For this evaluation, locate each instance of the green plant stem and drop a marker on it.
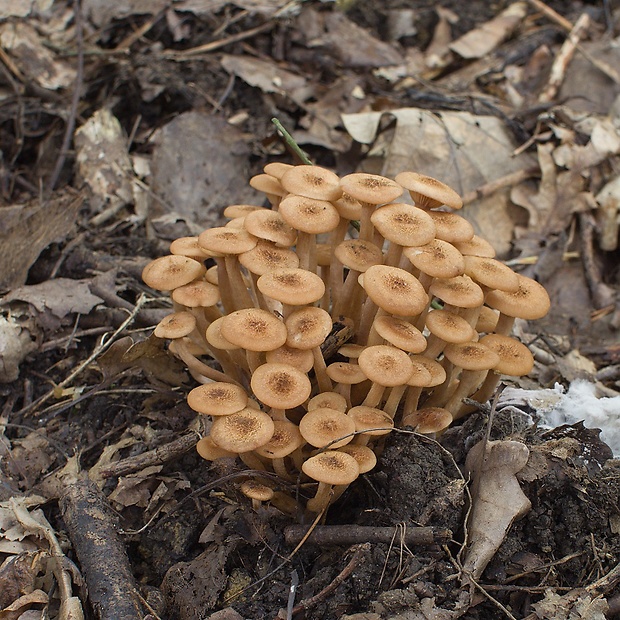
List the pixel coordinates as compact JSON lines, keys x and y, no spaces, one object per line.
{"x":290,"y":142}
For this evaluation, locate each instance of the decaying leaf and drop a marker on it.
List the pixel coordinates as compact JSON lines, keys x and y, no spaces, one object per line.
{"x":570,"y":607}
{"x":18,"y":607}
{"x":15,"y":345}
{"x":497,"y":498}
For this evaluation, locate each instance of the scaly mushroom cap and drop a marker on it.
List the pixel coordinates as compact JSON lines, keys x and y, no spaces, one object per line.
{"x":256,"y":491}
{"x":176,"y":325}
{"x":491,"y":273}
{"x":331,"y":400}
{"x":515,"y":359}
{"x":312,"y":182}
{"x":332,"y":467}
{"x":242,"y":431}
{"x":217,"y":398}
{"x":427,"y":192}
{"x":394,"y":290}
{"x":308,"y":327}
{"x":296,"y":287}
{"x":438,"y":259}
{"x":471,"y":356}
{"x":400,"y":333}
{"x":404,"y":224}
{"x":280,"y":386}
{"x":224,"y":240}
{"x":197,"y":294}
{"x":323,"y":426}
{"x":286,"y":438}
{"x":254,"y":329}
{"x":270,"y":226}
{"x":428,"y":420}
{"x":370,"y":188}
{"x":358,"y":254}
{"x":460,"y":291}
{"x":449,"y":327}
{"x":371,"y":421}
{"x":385,"y":365}
{"x":302,"y":359}
{"x":309,"y":215}
{"x":530,"y":301}
{"x":266,"y":257}
{"x":169,"y":272}
{"x":348,"y":207}
{"x":365,"y":457}
{"x":451,"y":227}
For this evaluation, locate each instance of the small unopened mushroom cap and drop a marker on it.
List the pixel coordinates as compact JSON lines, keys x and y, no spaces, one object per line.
{"x":427,"y":192}
{"x":385,"y":365}
{"x":271,"y":226}
{"x":255,"y":490}
{"x":332,"y":467}
{"x":515,"y":359}
{"x":491,"y":273}
{"x":460,"y":291}
{"x":197,"y":294}
{"x":286,"y":438}
{"x":280,"y":386}
{"x":217,"y":398}
{"x":176,"y":325}
{"x":242,"y":431}
{"x":404,"y":224}
{"x":308,"y":327}
{"x":428,"y":420}
{"x":309,"y":215}
{"x":168,"y":272}
{"x":395,"y":290}
{"x":358,"y":254}
{"x":371,"y":421}
{"x":296,"y":287}
{"x":312,"y":182}
{"x":266,"y":256}
{"x":254,"y":329}
{"x":188,"y":246}
{"x":370,"y":188}
{"x":449,"y":327}
{"x":438,"y":259}
{"x":436,"y":370}
{"x":302,"y":359}
{"x":400,"y":333}
{"x":323,"y":426}
{"x":365,"y":457}
{"x":451,"y":227}
{"x":471,"y":356}
{"x":476,"y":246}
{"x":331,"y":400}
{"x":530,"y":301}
{"x":345,"y":373}
{"x":226,"y":240}
{"x":209,"y":451}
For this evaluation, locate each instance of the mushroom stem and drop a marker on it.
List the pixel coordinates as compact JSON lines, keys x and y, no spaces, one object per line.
{"x":504,"y":324}
{"x":481,"y":395}
{"x":240,"y":294}
{"x":469,"y":381}
{"x":252,"y":461}
{"x":411,"y":400}
{"x":195,"y":365}
{"x":374,"y":396}
{"x":320,"y":371}
{"x":322,"y":498}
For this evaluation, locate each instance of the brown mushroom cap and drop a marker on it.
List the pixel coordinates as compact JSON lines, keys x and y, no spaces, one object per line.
{"x":308,"y":327}
{"x":476,"y":246}
{"x":312,"y":182}
{"x":224,"y":240}
{"x":400,"y":333}
{"x":438,"y":259}
{"x":331,"y":400}
{"x":302,"y":359}
{"x":215,"y":337}
{"x":254,"y":329}
{"x":331,"y":467}
{"x":371,"y":421}
{"x":530,"y":301}
{"x":459,"y":291}
{"x":345,"y":373}
{"x":234,"y":211}
{"x":451,"y":227}
{"x":370,"y":188}
{"x":449,"y":327}
{"x":358,"y":254}
{"x":515,"y":359}
{"x":256,"y":491}
{"x":292,"y":286}
{"x":428,"y":420}
{"x":209,"y":451}
{"x":188,"y":246}
{"x":471,"y":356}
{"x":487,"y":320}
{"x":286,"y":438}
{"x":266,"y":256}
{"x":168,"y":272}
{"x":267,"y":184}
{"x":242,"y":431}
{"x":197,"y":294}
{"x":270,"y":226}
{"x":404,"y":224}
{"x":348,"y":207}
{"x":176,"y":325}
{"x":280,"y":386}
{"x":436,"y":370}
{"x":427,"y":192}
{"x":395,"y":290}
{"x":277,"y":169}
{"x":365,"y":457}
{"x":385,"y":365}
{"x":309,"y":215}
{"x":323,"y":426}
{"x":491,"y":273}
{"x":217,"y":398}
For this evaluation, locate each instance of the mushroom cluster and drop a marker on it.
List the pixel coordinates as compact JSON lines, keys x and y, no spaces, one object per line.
{"x":316,"y":325}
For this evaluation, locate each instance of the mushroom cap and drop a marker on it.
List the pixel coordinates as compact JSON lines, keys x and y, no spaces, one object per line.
{"x":471,"y":356}
{"x":487,"y":320}
{"x":308,"y":327}
{"x":254,"y":329}
{"x":242,"y":431}
{"x":351,"y":350}
{"x":302,"y":359}
{"x":176,"y":325}
{"x":449,"y":327}
{"x":211,"y":275}
{"x":421,"y":375}
{"x":223,"y":240}
{"x":255,"y":490}
{"x":267,"y":256}
{"x":277,"y":169}
{"x":348,"y":207}
{"x":428,"y":420}
{"x":404,"y":224}
{"x":209,"y":451}
{"x":331,"y":467}
{"x":215,"y":337}
{"x":438,"y":259}
{"x":323,"y":426}
{"x":385,"y":365}
{"x":358,"y":254}
{"x":197,"y":294}
{"x":476,"y":246}
{"x":365,"y":457}
{"x":168,"y":272}
{"x":267,"y":184}
{"x":331,"y":400}
{"x":400,"y":333}
{"x":459,"y":291}
{"x":491,"y":273}
{"x":371,"y":421}
{"x":371,"y":189}
{"x":394,"y":290}
{"x":515,"y":359}
{"x":309,"y":215}
{"x":234,"y":211}
{"x":451,"y":227}
{"x":436,"y":370}
{"x":345,"y":373}
{"x":217,"y":398}
{"x":270,"y":226}
{"x":312,"y":182}
{"x":530,"y":301}
{"x":296,"y":287}
{"x":427,"y":192}
{"x":188,"y":246}
{"x":280,"y":386}
{"x":286,"y":438}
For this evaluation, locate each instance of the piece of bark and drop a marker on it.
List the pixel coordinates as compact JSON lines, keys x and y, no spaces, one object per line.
{"x":92,"y":527}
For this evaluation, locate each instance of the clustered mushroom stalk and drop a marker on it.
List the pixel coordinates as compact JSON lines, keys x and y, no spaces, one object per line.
{"x":311,"y":341}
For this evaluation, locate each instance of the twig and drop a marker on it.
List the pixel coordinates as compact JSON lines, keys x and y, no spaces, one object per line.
{"x":290,"y":142}
{"x":551,"y":14}
{"x":509,"y":180}
{"x":355,"y":534}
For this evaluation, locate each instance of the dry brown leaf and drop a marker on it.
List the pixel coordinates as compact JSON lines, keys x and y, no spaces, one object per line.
{"x":15,"y":345}
{"x":22,"y":604}
{"x":497,"y":498}
{"x":570,"y":607}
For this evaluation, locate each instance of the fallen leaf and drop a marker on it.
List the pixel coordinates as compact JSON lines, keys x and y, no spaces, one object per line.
{"x":22,"y":604}
{"x":15,"y":345}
